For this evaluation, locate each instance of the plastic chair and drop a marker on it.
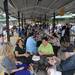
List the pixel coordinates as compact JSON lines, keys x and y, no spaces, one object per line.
{"x":23,"y":65}
{"x":23,"y":72}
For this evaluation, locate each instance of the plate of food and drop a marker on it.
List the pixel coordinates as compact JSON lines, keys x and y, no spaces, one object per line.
{"x":36,"y":58}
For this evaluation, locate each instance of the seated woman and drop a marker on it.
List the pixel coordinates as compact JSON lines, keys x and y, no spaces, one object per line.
{"x":8,"y":61}
{"x":20,"y":53}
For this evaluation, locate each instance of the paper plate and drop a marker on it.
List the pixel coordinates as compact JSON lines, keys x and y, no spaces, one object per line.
{"x":36,"y":58}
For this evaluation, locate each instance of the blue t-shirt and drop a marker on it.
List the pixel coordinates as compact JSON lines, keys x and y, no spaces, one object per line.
{"x":31,"y":45}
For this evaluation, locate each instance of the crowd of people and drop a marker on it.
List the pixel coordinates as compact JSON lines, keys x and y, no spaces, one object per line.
{"x":38,"y":40}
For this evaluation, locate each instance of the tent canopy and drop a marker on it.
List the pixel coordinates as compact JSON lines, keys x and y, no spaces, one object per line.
{"x":39,"y":8}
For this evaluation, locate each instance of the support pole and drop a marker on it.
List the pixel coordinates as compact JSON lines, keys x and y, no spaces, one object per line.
{"x":7,"y":19}
{"x":22,"y":20}
{"x":53,"y":22}
{"x":45,"y":18}
{"x":19,"y":21}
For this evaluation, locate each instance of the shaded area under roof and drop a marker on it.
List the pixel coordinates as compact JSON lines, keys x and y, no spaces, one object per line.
{"x":38,"y":8}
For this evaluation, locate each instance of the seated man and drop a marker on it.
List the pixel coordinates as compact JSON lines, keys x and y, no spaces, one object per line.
{"x":31,"y":44}
{"x":45,"y":48}
{"x":66,"y":66}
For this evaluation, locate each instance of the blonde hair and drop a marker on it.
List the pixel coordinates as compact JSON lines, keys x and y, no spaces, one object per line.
{"x":9,"y":50}
{"x":6,"y":50}
{"x":2,"y":50}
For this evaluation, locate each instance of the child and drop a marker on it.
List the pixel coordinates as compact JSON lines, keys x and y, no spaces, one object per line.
{"x":52,"y":68}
